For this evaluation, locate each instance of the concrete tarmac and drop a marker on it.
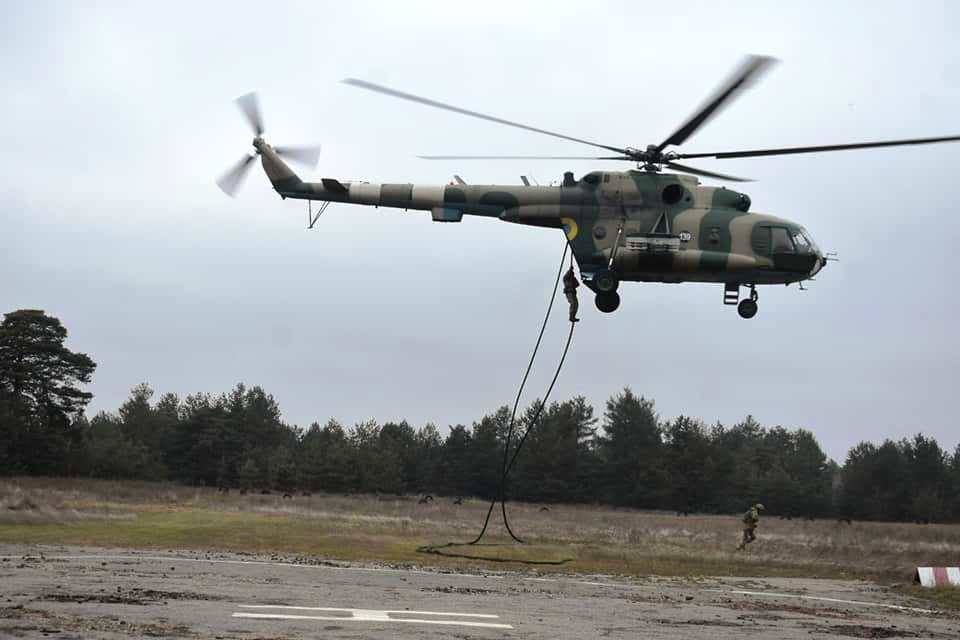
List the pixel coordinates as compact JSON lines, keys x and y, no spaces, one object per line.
{"x":69,"y":592}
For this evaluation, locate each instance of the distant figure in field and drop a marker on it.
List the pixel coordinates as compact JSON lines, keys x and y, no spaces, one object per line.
{"x":459,"y":500}
{"x":427,"y":499}
{"x":570,"y":284}
{"x":750,"y":520}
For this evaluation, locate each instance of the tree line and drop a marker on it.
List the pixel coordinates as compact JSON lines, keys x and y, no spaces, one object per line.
{"x":628,"y":456}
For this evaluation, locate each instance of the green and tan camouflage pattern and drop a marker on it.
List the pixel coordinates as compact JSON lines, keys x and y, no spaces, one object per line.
{"x":656,"y":227}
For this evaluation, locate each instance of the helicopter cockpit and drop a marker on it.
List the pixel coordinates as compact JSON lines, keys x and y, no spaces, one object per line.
{"x":792,"y":240}
{"x":791,"y":247}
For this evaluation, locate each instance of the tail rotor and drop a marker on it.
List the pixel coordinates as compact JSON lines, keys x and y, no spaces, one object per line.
{"x":249,"y":105}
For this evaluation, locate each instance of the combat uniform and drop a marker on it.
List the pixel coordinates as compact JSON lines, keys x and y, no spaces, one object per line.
{"x":750,"y":520}
{"x":570,"y":284}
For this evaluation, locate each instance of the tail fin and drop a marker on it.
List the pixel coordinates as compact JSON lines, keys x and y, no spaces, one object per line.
{"x":282,"y":177}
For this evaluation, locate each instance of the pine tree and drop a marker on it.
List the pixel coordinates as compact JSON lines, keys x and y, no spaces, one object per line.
{"x":40,"y":394}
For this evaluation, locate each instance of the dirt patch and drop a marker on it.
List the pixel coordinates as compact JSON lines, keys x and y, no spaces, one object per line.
{"x":133,"y":596}
{"x":699,"y":622}
{"x":866,"y":631}
{"x":45,"y":622}
{"x":825,"y":612}
{"x":459,"y":590}
{"x":760,"y":617}
{"x":651,"y":598}
{"x":21,"y":503}
{"x":101,"y":598}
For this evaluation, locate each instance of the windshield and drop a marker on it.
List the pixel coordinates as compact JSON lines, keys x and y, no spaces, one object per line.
{"x":800,"y":241}
{"x":809,"y":240}
{"x":792,"y":240}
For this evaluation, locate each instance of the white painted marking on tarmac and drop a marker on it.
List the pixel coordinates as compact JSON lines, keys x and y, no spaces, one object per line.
{"x":800,"y":596}
{"x":374,"y":615}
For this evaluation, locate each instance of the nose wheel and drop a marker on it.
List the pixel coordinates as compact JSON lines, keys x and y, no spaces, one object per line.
{"x":607,"y":301}
{"x":748,"y":308}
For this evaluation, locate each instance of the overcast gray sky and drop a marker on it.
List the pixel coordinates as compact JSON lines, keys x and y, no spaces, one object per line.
{"x":117,"y":119}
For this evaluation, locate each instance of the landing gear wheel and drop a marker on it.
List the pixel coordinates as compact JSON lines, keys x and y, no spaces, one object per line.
{"x":606,"y":282}
{"x":607,"y":301}
{"x":747,"y":308}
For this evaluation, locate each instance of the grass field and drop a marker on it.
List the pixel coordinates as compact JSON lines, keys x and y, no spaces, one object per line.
{"x":583,"y":539}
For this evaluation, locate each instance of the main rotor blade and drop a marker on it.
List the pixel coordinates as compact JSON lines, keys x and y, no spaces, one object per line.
{"x":230,"y":181}
{"x":748,"y":72}
{"x":702,"y":172}
{"x":830,"y":147}
{"x":524,"y":158}
{"x":249,"y":104}
{"x":304,"y":154}
{"x":363,"y":84}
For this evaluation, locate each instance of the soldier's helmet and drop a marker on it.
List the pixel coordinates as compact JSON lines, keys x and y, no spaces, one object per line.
{"x":758,"y":507}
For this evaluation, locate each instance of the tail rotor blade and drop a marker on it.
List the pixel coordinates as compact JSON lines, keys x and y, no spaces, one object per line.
{"x":306,"y":155}
{"x":230,"y":181}
{"x":249,"y":104}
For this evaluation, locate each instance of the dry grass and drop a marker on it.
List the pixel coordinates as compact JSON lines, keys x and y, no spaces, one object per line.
{"x":389,"y":529}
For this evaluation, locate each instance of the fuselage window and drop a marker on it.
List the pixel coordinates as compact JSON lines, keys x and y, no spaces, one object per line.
{"x":606,"y":177}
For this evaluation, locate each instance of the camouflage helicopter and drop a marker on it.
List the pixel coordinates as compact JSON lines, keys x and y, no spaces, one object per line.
{"x":640,"y":225}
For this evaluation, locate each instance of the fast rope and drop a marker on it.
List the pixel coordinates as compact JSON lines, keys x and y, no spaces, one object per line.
{"x":508,"y":460}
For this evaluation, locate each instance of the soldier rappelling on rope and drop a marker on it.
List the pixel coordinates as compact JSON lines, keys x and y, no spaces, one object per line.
{"x":570,"y":284}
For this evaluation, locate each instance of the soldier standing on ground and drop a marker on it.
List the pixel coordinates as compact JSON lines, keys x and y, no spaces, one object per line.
{"x":570,"y":284}
{"x":750,"y":520}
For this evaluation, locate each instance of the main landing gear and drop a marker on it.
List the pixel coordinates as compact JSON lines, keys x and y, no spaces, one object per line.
{"x":607,"y":302}
{"x":605,"y":284}
{"x":747,"y":308}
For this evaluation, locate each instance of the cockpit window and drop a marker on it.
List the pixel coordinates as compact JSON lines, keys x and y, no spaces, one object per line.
{"x":800,"y":241}
{"x":810,"y":243}
{"x":780,"y":239}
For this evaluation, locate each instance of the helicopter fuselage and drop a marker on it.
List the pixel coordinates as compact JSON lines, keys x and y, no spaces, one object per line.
{"x":639,"y":225}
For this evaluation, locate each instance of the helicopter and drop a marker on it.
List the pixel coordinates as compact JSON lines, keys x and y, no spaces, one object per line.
{"x":639,"y":225}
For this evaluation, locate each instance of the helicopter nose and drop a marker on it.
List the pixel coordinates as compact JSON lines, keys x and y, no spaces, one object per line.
{"x":819,"y":264}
